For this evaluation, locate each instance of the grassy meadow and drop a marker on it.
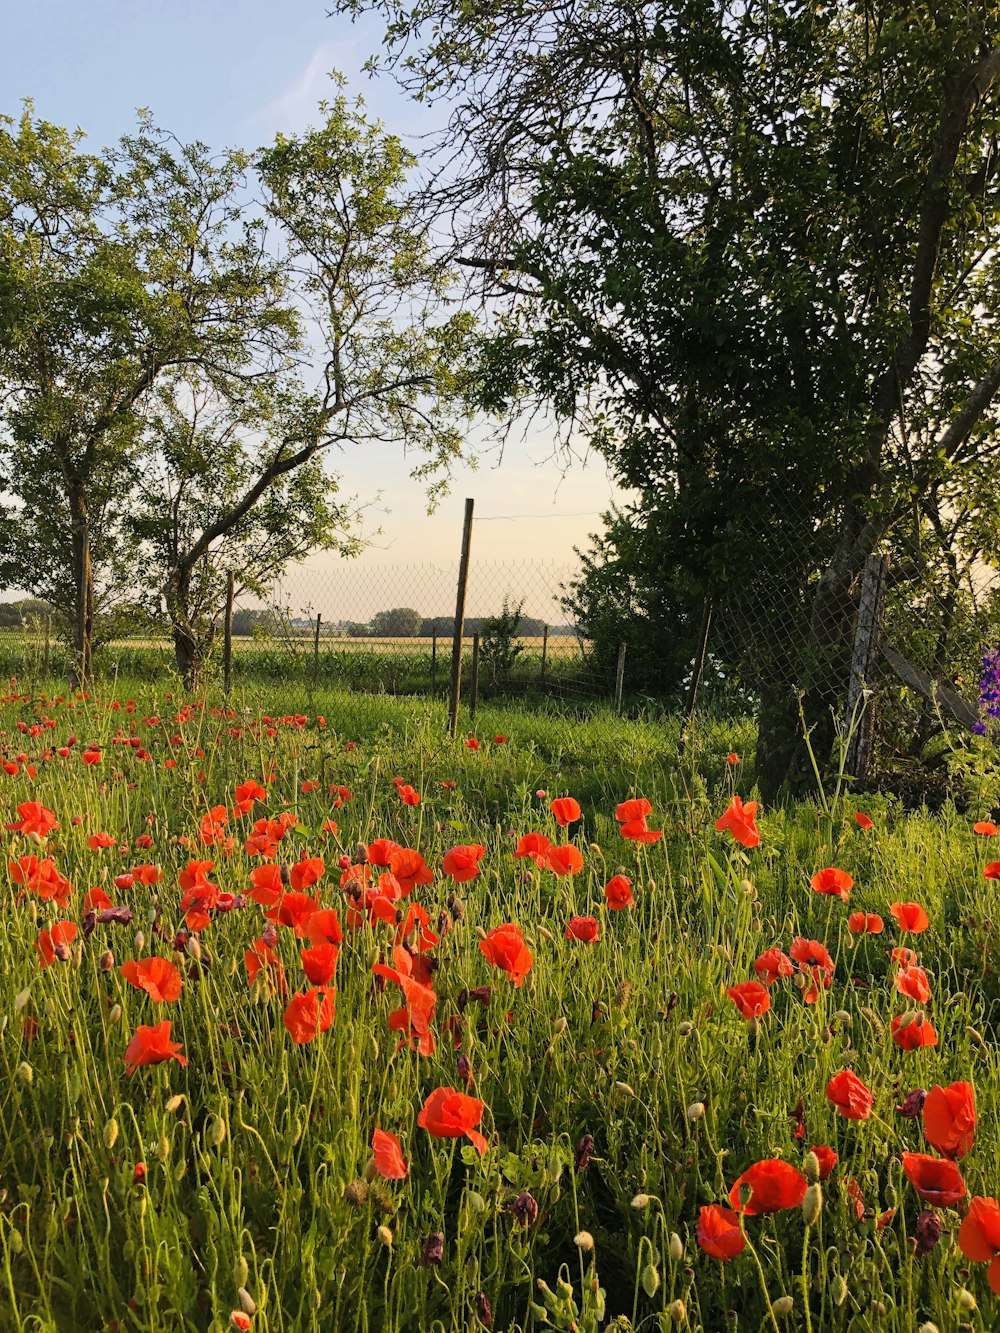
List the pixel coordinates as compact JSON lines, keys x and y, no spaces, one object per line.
{"x":311,"y":897}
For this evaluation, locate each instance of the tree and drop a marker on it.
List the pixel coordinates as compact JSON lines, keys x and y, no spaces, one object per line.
{"x":129,"y":268}
{"x":744,"y":253}
{"x":203,"y":453}
{"x":400,"y":623}
{"x":116,"y":267}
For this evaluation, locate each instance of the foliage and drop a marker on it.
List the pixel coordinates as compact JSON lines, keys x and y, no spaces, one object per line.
{"x":498,"y":647}
{"x":402,"y":622}
{"x":247,"y":1173}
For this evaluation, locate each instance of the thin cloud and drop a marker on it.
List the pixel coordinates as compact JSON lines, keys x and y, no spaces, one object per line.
{"x":295,"y":106}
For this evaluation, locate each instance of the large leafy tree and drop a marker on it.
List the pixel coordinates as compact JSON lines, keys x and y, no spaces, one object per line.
{"x":123,"y":270}
{"x":742,"y":249}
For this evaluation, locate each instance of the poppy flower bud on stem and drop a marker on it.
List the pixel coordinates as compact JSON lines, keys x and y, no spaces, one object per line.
{"x":21,"y":999}
{"x":685,"y":1029}
{"x":695,"y":1111}
{"x":173,"y":1104}
{"x":782,"y":1306}
{"x":25,"y":1073}
{"x":641,"y":1201}
{"x":193,"y":947}
{"x":650,"y":1279}
{"x":560,"y":1025}
{"x":384,"y":1235}
{"x":241,"y":1271}
{"x":545,"y":934}
{"x":677,"y":1311}
{"x":139,"y":941}
{"x":111,"y":1134}
{"x":966,"y":1300}
{"x":247,"y":1303}
{"x":812,"y":1204}
{"x":839,"y":1290}
{"x":106,"y":962}
{"x":583,"y":1240}
{"x":811,"y":1167}
{"x":115,"y":1014}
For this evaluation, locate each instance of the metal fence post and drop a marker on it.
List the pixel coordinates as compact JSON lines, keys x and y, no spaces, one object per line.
{"x":319,"y":622}
{"x":545,"y":652}
{"x":434,"y":661}
{"x":620,"y":678}
{"x":227,"y":636}
{"x":459,"y":627}
{"x":474,"y":689}
{"x":866,"y":647}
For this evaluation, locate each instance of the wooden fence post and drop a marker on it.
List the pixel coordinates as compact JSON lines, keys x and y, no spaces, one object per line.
{"x":319,"y":622}
{"x":474,"y":690}
{"x":620,"y":678}
{"x":866,"y":649}
{"x":227,"y":636}
{"x":459,"y":628}
{"x":545,"y":651}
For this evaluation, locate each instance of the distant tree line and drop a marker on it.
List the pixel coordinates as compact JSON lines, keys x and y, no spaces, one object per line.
{"x":401,"y":622}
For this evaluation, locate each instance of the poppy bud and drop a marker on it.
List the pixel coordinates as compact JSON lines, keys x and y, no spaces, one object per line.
{"x":115,"y":1014}
{"x":839,"y":1289}
{"x":675,"y":1248}
{"x":241,"y":1271}
{"x":25,"y":1073}
{"x":640,"y":1201}
{"x":545,"y":934}
{"x":139,"y":941}
{"x":356,"y":1193}
{"x":239,"y":1319}
{"x":928,"y":1327}
{"x":174,"y":1103}
{"x":16,"y":1240}
{"x":484,"y":1310}
{"x":812,"y":1203}
{"x":811,"y":1167}
{"x":782,"y":1306}
{"x":685,"y":1029}
{"x":216,"y":1131}
{"x":595,"y":847}
{"x":583,"y":1240}
{"x":106,"y":961}
{"x":193,"y":947}
{"x":966,"y":1300}
{"x":111,"y":1134}
{"x":978,"y":1038}
{"x":21,"y":999}
{"x":696,"y":1110}
{"x":560,"y":1025}
{"x":625,"y":1088}
{"x":476,"y":1201}
{"x":361,"y":854}
{"x":677,"y":1311}
{"x":650,"y":1279}
{"x":163,"y":1148}
{"x":384,"y":1235}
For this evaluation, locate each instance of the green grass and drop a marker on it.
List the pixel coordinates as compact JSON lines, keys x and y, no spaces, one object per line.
{"x":256,"y":1153}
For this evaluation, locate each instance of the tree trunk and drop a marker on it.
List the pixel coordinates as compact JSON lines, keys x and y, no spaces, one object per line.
{"x":189,"y":648}
{"x":188,"y":657}
{"x":83,"y":587}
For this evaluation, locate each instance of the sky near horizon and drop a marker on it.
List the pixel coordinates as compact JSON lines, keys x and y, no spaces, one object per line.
{"x":234,"y":73}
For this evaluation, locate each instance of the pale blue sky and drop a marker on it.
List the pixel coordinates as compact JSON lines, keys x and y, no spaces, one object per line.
{"x":234,"y":72}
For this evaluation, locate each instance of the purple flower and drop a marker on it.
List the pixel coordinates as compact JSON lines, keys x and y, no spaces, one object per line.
{"x":525,"y":1210}
{"x":433,"y":1251}
{"x":584,"y":1150}
{"x":913,"y":1104}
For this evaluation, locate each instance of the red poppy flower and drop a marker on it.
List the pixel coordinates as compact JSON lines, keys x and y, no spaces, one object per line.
{"x":504,"y":946}
{"x":462,"y":863}
{"x":774,"y":1185}
{"x":719,"y":1233}
{"x":912,"y":982}
{"x":408,"y":795}
{"x":850,"y":1096}
{"x":910,"y":917}
{"x":309,"y":1013}
{"x":98,"y":841}
{"x":156,"y":976}
{"x":534,"y":847}
{"x":584,"y":928}
{"x":750,"y":998}
{"x":903,"y":956}
{"x":564,"y":860}
{"x":320,"y":963}
{"x":936,"y":1179}
{"x":389,"y":1160}
{"x":827,"y":1159}
{"x":739,"y":821}
{"x":267,"y":885}
{"x":950,"y":1118}
{"x":247,"y":793}
{"x":979,"y":1237}
{"x":152,"y":1046}
{"x":34,"y":818}
{"x":449,"y":1114}
{"x":304,"y":874}
{"x":814,"y":960}
{"x":323,"y":927}
{"x":618,"y":893}
{"x":912,"y":1031}
{"x":865,"y":923}
{"x":294,"y":910}
{"x":260,"y":955}
{"x":992,"y":871}
{"x":733,"y":758}
{"x":773,"y":964}
{"x":833,"y":882}
{"x":565,"y":810}
{"x":54,"y":943}
{"x":862,"y":820}
{"x":985,"y":828}
{"x":147,"y":874}
{"x":380,"y":851}
{"x":636,"y":831}
{"x":630,"y":811}
{"x":410,"y":868}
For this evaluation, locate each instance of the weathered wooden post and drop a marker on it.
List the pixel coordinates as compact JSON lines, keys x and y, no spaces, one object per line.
{"x":620,"y":678}
{"x":459,"y":628}
{"x":227,"y":635}
{"x":474,"y":690}
{"x":861,"y":714}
